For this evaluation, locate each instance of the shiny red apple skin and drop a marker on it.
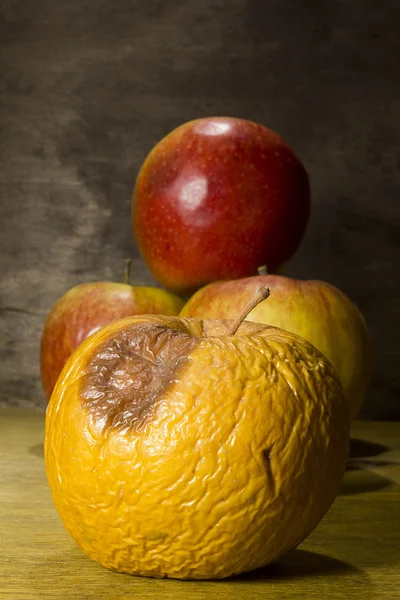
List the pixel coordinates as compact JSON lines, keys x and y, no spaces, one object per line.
{"x":86,"y":308}
{"x":216,"y":199}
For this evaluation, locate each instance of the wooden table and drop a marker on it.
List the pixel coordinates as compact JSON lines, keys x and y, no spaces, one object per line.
{"x":353,"y":553}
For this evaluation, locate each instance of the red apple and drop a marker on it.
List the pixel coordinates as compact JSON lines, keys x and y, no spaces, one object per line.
{"x":315,"y":310}
{"x":216,"y":199}
{"x":86,"y":308}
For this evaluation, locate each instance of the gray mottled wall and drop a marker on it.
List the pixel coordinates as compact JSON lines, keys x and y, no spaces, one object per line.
{"x":88,"y":87}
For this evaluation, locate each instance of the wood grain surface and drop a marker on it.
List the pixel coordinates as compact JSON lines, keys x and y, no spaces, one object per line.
{"x":353,"y":553}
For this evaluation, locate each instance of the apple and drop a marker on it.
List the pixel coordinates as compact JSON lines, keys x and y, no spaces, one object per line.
{"x":217,"y":198}
{"x":315,"y":310}
{"x":86,"y":308}
{"x":194,"y":449}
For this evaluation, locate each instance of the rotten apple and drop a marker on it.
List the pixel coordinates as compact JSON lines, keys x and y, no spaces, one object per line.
{"x":194,"y":449}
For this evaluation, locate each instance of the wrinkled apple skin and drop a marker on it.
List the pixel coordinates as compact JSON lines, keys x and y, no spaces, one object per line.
{"x":315,"y":310}
{"x":86,"y":308}
{"x":216,"y":199}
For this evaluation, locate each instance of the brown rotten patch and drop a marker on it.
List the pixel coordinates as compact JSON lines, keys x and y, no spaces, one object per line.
{"x":126,"y":377}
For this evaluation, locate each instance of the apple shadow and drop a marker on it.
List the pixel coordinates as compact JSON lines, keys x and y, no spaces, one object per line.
{"x":299,"y":564}
{"x":37,"y":450}
{"x":361,"y":475}
{"x":359,"y":479}
{"x":362,"y":448}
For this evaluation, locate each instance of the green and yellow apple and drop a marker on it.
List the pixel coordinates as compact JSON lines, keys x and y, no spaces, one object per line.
{"x":86,"y":308}
{"x":315,"y":310}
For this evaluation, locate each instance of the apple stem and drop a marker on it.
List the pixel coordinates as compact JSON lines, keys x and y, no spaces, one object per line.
{"x":261,"y":294}
{"x":128,"y":265}
{"x":262,"y":270}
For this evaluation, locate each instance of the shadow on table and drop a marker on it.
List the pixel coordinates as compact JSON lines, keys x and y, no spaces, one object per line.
{"x":361,"y":471}
{"x":359,"y":480}
{"x":302,"y":572}
{"x":363,"y":448}
{"x":298,"y":564}
{"x":37,"y":450}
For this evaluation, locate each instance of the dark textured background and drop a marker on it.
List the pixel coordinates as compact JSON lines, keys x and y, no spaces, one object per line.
{"x":87,"y":88}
